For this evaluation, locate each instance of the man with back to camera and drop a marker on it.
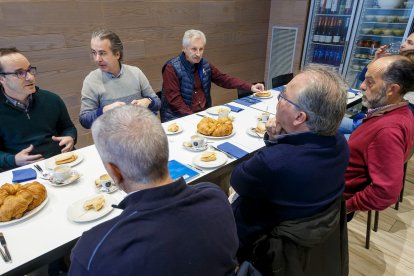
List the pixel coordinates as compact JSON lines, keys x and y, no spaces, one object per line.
{"x":35,"y":123}
{"x":187,"y":80}
{"x":167,"y":227}
{"x":383,"y":142}
{"x":113,"y":83}
{"x":297,"y":176}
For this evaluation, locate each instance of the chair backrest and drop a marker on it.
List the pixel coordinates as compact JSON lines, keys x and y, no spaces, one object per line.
{"x":158,"y":94}
{"x":244,"y":93}
{"x":281,"y":80}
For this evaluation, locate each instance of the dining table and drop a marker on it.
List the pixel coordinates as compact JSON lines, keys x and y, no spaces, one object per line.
{"x":50,"y":231}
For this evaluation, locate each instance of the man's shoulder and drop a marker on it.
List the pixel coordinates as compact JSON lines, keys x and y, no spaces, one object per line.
{"x":208,"y":188}
{"x":46,"y":94}
{"x":93,"y":75}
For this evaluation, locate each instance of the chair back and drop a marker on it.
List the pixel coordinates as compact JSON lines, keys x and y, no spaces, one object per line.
{"x":281,"y":80}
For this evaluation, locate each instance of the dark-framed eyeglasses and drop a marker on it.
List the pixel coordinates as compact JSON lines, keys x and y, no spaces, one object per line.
{"x":282,"y":96}
{"x":21,"y":74}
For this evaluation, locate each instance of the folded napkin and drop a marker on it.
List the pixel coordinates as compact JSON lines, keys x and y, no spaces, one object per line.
{"x":234,"y":108}
{"x":23,"y":175}
{"x":247,"y":101}
{"x":232,"y":150}
{"x":355,"y":91}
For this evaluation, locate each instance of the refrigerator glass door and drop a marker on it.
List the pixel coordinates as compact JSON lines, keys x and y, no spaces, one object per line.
{"x":328,"y":31}
{"x":381,"y":22}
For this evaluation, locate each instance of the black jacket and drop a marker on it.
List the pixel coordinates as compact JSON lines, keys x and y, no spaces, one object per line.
{"x":316,"y":245}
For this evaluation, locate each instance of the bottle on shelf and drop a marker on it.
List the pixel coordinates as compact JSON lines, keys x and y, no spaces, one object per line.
{"x":342,"y":7}
{"x":338,"y":32}
{"x":328,"y":6}
{"x":322,"y":6}
{"x":330,"y":27}
{"x":317,"y":30}
{"x":335,"y":6}
{"x":348,"y":7}
{"x":323,"y":29}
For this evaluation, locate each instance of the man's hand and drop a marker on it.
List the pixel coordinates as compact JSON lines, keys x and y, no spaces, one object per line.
{"x":112,"y":105}
{"x":257,"y":87}
{"x":144,"y":102}
{"x":274,"y":128}
{"x":23,"y":157}
{"x":66,"y":141}
{"x":381,"y":52}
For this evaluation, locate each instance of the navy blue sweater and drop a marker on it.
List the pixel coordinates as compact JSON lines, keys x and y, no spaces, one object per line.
{"x":169,"y":230}
{"x":295,"y":177}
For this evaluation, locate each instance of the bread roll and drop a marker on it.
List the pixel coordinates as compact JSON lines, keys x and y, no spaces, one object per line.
{"x":260,"y":128}
{"x":263,"y":93}
{"x":208,"y":156}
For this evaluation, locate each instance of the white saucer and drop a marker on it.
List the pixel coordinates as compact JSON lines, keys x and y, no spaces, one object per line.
{"x":72,"y":179}
{"x":50,"y":163}
{"x":203,"y":148}
{"x":251,"y":131}
{"x":221,"y":160}
{"x":215,"y":109}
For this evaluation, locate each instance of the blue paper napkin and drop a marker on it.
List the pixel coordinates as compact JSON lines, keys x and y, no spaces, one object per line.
{"x":23,"y":175}
{"x":234,"y":108}
{"x":232,"y":150}
{"x":355,"y":91}
{"x":247,"y":101}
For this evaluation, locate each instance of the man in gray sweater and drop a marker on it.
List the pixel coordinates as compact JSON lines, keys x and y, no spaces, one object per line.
{"x":113,"y":83}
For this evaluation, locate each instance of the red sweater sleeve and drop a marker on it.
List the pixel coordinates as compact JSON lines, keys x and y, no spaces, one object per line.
{"x":226,"y":81}
{"x":385,"y":157}
{"x":172,"y":91}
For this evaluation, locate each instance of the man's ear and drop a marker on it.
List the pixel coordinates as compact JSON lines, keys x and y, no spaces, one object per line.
{"x":114,"y":172}
{"x":394,"y":90}
{"x":300,"y":118}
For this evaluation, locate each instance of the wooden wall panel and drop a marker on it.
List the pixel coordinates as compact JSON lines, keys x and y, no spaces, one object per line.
{"x":55,"y":36}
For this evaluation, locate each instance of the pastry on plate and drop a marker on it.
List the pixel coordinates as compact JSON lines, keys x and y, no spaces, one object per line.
{"x":217,"y":128}
{"x":260,"y":128}
{"x":66,"y":157}
{"x":263,"y":94}
{"x":96,"y":203}
{"x":173,"y":127}
{"x":208,"y":156}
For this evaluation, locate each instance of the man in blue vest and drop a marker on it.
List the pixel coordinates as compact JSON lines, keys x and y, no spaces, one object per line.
{"x":187,"y":80}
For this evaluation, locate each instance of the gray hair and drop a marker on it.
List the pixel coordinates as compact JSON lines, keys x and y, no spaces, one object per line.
{"x":323,"y":100}
{"x":132,"y":138}
{"x":401,"y":72}
{"x":190,"y":35}
{"x":116,"y":43}
{"x":7,"y":51}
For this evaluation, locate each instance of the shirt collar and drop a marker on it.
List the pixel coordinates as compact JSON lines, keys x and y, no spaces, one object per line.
{"x":17,"y":103}
{"x":112,"y":76}
{"x":379,"y":111}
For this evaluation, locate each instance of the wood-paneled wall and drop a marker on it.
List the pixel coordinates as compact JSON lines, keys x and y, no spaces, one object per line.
{"x":289,"y":13}
{"x":55,"y":36}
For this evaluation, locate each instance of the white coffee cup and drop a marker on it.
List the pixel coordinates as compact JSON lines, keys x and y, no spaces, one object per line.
{"x":62,"y":173}
{"x":197,"y":141}
{"x":223,"y":112}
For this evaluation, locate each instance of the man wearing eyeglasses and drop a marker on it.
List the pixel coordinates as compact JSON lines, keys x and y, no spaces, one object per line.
{"x":35,"y":123}
{"x":296,"y":181}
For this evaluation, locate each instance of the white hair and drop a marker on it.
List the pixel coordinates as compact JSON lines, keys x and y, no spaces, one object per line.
{"x":191,"y":35}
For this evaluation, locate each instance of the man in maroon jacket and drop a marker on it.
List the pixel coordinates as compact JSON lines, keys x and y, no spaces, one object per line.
{"x":381,"y":145}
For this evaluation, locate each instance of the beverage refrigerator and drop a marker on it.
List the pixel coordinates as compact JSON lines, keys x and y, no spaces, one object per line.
{"x":345,"y":34}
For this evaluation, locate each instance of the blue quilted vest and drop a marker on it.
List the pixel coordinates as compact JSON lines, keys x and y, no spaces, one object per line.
{"x":185,"y":73}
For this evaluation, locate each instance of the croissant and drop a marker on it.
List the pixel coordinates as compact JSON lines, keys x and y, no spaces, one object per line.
{"x":38,"y":191}
{"x":17,"y":199}
{"x":218,"y":128}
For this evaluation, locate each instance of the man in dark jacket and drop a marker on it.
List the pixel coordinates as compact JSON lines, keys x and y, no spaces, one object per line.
{"x":300,"y":172}
{"x":35,"y":123}
{"x":187,"y":80}
{"x":167,"y":227}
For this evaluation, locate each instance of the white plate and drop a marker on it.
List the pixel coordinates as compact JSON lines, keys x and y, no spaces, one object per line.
{"x":196,"y":149}
{"x":76,"y":213}
{"x":73,"y":178}
{"x":263,"y":97}
{"x":251,"y":131}
{"x":112,"y":189}
{"x":221,"y":160}
{"x":219,"y":137}
{"x":180,"y":129}
{"x":350,"y":95}
{"x":28,"y":214}
{"x":50,"y":162}
{"x":215,"y":109}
